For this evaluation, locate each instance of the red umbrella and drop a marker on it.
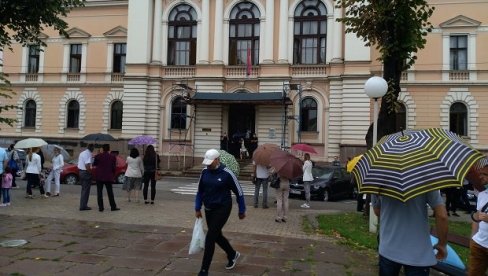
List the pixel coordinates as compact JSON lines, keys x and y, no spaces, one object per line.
{"x":285,"y":164}
{"x":263,"y":152}
{"x":304,"y":148}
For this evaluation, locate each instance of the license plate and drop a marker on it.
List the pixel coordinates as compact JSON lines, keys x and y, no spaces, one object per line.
{"x":295,"y":192}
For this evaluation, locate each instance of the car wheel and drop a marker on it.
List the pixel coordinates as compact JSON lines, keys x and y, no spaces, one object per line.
{"x":326,"y":195}
{"x":120,"y":178}
{"x":71,"y":179}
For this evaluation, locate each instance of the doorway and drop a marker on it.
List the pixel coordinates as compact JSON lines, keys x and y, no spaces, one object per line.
{"x":242,"y":121}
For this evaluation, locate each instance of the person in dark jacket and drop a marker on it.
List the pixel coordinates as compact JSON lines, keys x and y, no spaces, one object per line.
{"x":151,"y":164}
{"x":214,"y":192}
{"x":105,"y":163}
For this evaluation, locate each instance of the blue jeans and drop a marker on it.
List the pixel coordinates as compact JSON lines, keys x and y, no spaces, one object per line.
{"x":261,"y":182}
{"x":389,"y":268}
{"x":6,"y":195}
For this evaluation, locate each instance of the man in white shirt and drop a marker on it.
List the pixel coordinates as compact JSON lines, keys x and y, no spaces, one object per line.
{"x":85,"y":167}
{"x":261,"y":174}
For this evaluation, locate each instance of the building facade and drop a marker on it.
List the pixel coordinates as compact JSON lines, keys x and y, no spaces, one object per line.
{"x":188,"y":72}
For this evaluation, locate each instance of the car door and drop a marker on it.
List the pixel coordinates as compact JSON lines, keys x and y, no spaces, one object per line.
{"x":345,"y":182}
{"x":334,"y":184}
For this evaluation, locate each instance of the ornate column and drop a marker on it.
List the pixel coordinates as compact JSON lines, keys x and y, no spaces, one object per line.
{"x":283,"y":44}
{"x":269,"y":30}
{"x":158,"y":15}
{"x":218,"y":35}
{"x":204,"y":34}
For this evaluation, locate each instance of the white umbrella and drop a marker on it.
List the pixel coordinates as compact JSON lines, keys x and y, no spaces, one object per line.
{"x":48,"y":151}
{"x":30,"y":143}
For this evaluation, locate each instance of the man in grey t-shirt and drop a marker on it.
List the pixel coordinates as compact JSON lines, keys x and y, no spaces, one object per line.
{"x":405,"y":236}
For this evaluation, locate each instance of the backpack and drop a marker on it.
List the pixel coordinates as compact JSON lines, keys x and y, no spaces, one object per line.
{"x":12,"y":164}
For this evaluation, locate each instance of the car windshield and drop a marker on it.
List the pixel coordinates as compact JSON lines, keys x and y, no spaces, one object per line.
{"x":322,"y":173}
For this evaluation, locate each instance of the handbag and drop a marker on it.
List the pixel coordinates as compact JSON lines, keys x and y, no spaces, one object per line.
{"x":198,"y":238}
{"x":274,"y":181}
{"x":12,"y":164}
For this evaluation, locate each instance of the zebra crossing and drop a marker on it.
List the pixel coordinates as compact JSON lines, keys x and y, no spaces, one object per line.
{"x":191,"y":189}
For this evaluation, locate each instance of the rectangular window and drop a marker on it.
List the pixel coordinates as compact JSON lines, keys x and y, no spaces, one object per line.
{"x":459,"y":52}
{"x":33,"y":62}
{"x":75,"y":58}
{"x":120,"y":51}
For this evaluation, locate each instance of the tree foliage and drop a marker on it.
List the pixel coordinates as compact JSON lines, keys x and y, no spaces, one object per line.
{"x":397,"y":28}
{"x":22,"y":21}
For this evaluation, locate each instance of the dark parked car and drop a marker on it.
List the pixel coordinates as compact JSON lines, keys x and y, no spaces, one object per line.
{"x":330,"y":182}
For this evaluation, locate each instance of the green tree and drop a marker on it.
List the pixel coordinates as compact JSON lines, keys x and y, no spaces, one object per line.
{"x":397,"y":28}
{"x":22,"y":21}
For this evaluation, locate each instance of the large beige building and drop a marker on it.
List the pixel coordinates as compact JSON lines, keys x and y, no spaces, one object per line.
{"x":188,"y":71}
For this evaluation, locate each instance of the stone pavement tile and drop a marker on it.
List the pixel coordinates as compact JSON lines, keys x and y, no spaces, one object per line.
{"x":122,"y":271}
{"x":86,"y":258}
{"x":137,"y":263}
{"x":85,"y":270}
{"x":34,"y":267}
{"x":43,"y":254}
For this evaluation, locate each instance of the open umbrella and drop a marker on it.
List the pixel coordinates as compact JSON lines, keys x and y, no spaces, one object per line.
{"x":230,"y":162}
{"x":409,"y":163}
{"x":98,"y":137}
{"x":48,"y":151}
{"x":263,"y":153}
{"x":352,"y":163}
{"x":303,"y":148}
{"x":285,"y":164}
{"x":143,"y":140}
{"x":30,"y":143}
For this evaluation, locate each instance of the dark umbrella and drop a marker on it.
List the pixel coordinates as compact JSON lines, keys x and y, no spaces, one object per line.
{"x":285,"y":164}
{"x":98,"y":137}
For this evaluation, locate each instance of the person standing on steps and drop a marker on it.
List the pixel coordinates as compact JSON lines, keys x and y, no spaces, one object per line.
{"x":214,"y":193}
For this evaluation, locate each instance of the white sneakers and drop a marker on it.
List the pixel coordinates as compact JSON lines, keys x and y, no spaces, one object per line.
{"x":305,"y":205}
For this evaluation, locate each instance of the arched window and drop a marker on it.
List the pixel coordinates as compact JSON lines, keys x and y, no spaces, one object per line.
{"x":116,"y":111}
{"x":401,"y":117}
{"x":458,"y":119}
{"x":73,"y":114}
{"x":30,"y":110}
{"x":310,"y":33}
{"x":182,"y":33}
{"x":308,"y":114}
{"x":244,"y":34}
{"x":178,"y":113}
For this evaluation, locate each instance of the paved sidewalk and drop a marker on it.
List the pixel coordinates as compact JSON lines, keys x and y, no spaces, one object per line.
{"x":153,"y":240}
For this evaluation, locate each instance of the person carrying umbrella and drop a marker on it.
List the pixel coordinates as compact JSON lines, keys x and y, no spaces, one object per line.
{"x":307,"y":179}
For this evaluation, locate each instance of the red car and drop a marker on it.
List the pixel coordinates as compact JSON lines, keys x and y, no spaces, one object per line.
{"x":70,"y":173}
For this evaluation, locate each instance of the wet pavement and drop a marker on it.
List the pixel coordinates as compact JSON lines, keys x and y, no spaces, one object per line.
{"x":150,"y":239}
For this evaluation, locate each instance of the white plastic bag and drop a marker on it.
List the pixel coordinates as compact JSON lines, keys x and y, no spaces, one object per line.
{"x":198,"y":239}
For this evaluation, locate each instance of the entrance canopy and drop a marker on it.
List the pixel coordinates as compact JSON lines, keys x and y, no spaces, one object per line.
{"x":265,"y":98}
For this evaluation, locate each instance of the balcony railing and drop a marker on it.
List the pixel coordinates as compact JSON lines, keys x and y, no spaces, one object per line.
{"x":240,"y":71}
{"x":117,"y":77}
{"x":31,"y":77}
{"x":458,"y":75}
{"x":73,"y":77}
{"x":309,"y":70}
{"x":179,"y":71}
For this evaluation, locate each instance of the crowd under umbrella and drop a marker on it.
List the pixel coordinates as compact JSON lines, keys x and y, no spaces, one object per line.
{"x":230,"y":162}
{"x":412,"y":162}
{"x":30,"y":143}
{"x":285,"y":164}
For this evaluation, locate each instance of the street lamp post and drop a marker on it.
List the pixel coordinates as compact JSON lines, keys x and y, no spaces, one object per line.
{"x":375,"y":87}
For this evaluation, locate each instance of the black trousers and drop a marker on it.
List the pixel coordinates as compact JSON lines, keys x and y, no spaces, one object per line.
{"x":85,"y":182}
{"x":216,"y":219}
{"x":149,"y":176}
{"x":110,"y":193}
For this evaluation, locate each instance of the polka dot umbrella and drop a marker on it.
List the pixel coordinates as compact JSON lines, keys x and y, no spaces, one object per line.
{"x":412,"y":162}
{"x":230,"y":162}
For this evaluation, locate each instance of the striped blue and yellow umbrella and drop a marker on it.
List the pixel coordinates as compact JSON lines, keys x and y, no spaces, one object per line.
{"x":409,"y":163}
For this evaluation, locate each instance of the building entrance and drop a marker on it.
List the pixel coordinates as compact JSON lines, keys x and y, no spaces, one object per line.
{"x":242,"y":120}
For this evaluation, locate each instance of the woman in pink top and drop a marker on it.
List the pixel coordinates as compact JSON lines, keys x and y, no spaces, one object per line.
{"x":6,"y":186}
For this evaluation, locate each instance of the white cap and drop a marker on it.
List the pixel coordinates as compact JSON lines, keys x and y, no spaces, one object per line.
{"x":210,"y":156}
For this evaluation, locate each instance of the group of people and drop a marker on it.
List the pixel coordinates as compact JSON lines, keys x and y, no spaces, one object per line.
{"x":238,"y":145}
{"x":139,"y":170}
